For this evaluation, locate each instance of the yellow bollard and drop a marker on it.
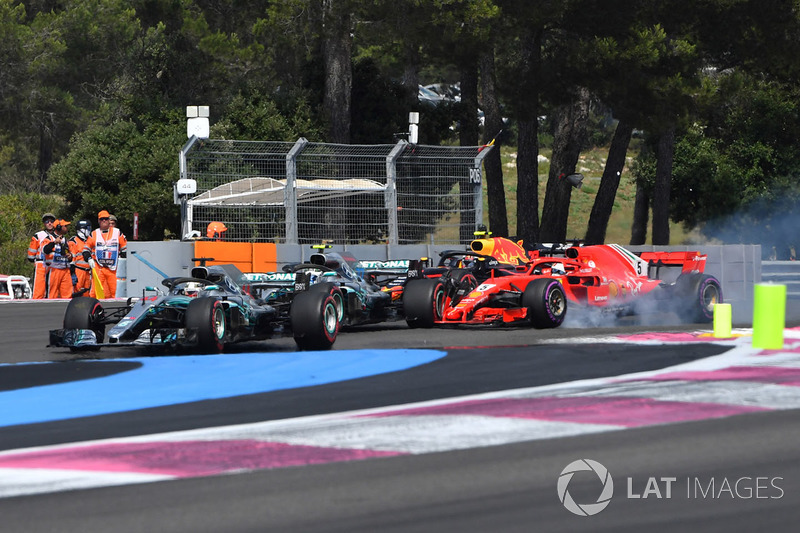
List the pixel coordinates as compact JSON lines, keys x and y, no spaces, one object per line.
{"x":722,"y":321}
{"x":769,"y":316}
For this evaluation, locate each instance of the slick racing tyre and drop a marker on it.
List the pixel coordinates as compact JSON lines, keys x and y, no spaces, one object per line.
{"x":315,"y":320}
{"x":336,"y":294}
{"x":546,"y":302}
{"x":697,"y":294}
{"x":206,"y":316}
{"x":86,"y":313}
{"x":423,"y":302}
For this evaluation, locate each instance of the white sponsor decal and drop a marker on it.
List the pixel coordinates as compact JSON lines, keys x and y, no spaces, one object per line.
{"x":271,"y":276}
{"x":377,"y":265}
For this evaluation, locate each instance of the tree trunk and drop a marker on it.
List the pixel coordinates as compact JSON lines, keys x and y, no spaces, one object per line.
{"x":46,"y":128}
{"x":337,"y":47}
{"x":411,"y":63}
{"x":641,"y":208}
{"x":604,"y":201}
{"x":568,"y":141}
{"x":528,"y":180}
{"x":661,"y":190}
{"x":470,"y":130}
{"x":528,"y":137}
{"x":493,"y":124}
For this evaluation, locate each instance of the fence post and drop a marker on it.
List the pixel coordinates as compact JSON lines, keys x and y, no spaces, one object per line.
{"x":390,"y":194}
{"x":290,"y":191}
{"x":186,"y":211}
{"x":477,"y":174}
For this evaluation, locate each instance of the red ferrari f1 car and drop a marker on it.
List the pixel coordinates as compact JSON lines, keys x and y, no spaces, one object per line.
{"x":502,"y":282}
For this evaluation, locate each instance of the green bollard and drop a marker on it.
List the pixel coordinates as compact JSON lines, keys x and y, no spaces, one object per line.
{"x":769,"y":316}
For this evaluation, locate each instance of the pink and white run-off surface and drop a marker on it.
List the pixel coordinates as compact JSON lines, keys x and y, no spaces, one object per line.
{"x":741,"y":380}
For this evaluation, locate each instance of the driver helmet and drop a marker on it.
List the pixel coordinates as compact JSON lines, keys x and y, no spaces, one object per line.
{"x":192,"y":289}
{"x":215,"y":230}
{"x":558,"y":269}
{"x":84,"y":229}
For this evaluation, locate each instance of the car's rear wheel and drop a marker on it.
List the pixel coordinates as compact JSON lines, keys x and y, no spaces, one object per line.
{"x":697,"y":294}
{"x":206,"y":317}
{"x":85,"y":313}
{"x":546,"y":302}
{"x":423,"y":302}
{"x":315,"y":320}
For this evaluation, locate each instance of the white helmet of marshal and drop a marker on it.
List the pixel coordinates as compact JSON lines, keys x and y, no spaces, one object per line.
{"x":84,"y":229}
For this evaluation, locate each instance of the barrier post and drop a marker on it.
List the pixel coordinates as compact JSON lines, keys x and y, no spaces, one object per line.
{"x":722,"y":320}
{"x":769,"y":316}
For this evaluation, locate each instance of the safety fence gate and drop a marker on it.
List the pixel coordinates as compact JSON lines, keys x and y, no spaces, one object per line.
{"x":307,"y":193}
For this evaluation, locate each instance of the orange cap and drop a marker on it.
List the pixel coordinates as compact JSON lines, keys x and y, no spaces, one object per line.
{"x":61,"y":222}
{"x":103,"y":214}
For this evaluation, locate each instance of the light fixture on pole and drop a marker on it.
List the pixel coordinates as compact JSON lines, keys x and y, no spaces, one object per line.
{"x":197,"y":121}
{"x":413,"y":127}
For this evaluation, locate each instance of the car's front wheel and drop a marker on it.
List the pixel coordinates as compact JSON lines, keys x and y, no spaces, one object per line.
{"x":546,"y":302}
{"x":206,"y":317}
{"x":315,"y":322}
{"x":85,"y":313}
{"x":336,"y":294}
{"x":423,"y":302}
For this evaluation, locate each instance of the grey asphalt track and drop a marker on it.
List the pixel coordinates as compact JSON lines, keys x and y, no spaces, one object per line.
{"x":500,"y":488}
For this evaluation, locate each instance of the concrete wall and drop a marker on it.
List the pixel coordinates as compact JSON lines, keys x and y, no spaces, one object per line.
{"x":173,"y":258}
{"x":738,"y":267}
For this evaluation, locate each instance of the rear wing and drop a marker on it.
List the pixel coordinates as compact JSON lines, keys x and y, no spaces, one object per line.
{"x":389,"y":267}
{"x":259,"y":282}
{"x":270,"y":279}
{"x":387,"y":273}
{"x":688,"y":262}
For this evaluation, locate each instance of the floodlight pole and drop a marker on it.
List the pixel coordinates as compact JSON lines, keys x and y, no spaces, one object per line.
{"x":290,"y":191}
{"x":476,"y":179}
{"x":390,"y":196}
{"x":183,"y":199}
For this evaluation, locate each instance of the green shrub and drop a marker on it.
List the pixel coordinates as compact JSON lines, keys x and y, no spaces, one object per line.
{"x":20,"y":218}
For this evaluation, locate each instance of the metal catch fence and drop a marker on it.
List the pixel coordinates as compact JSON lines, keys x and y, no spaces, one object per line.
{"x":306,"y":193}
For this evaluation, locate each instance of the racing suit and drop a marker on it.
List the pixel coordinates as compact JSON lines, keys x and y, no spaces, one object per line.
{"x":105,"y":248}
{"x":80,"y":267}
{"x":37,"y":256}
{"x":60,"y":279}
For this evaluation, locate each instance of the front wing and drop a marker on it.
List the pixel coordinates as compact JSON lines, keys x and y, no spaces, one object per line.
{"x":87,"y":339}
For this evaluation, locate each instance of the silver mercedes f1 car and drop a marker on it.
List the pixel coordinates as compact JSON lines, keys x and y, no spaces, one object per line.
{"x":213,"y":308}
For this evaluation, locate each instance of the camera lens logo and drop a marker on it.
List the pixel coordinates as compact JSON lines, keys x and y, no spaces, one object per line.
{"x":586,"y":509}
